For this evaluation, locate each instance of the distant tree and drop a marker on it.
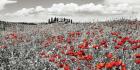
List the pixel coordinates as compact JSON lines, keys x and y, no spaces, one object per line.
{"x":71,"y":21}
{"x":68,"y":20}
{"x":55,"y":19}
{"x":49,"y":21}
{"x":52,"y":20}
{"x":64,"y":19}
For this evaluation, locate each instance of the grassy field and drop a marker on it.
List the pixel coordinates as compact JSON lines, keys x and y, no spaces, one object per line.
{"x":107,"y":45}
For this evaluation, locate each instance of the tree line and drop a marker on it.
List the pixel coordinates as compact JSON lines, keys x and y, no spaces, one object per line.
{"x":59,"y":20}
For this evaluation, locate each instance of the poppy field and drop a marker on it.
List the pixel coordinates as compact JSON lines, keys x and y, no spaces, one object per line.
{"x":77,"y":46}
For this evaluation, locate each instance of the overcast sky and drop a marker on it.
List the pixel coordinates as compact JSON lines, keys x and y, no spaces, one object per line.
{"x":78,"y":10}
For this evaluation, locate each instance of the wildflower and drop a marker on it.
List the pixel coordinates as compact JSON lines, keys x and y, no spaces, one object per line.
{"x":115,"y":33}
{"x":131,"y":41}
{"x":103,"y":42}
{"x":137,"y":61}
{"x":105,"y":46}
{"x":109,"y":55}
{"x":63,"y":60}
{"x":80,"y":53}
{"x":120,"y":43}
{"x":73,"y":59}
{"x":96,"y":46}
{"x":134,"y":47}
{"x":88,"y":57}
{"x":78,"y":68}
{"x":100,"y":65}
{"x":137,"y":55}
{"x":78,"y":33}
{"x":123,"y":67}
{"x":117,"y":47}
{"x":71,"y":53}
{"x":83,"y":46}
{"x":60,"y":65}
{"x":3,"y":46}
{"x":112,"y":63}
{"x":66,"y":67}
{"x":13,"y":36}
{"x":68,"y":40}
{"x":108,"y":65}
{"x":52,"y":59}
{"x":71,"y":34}
{"x":118,"y":63}
{"x":88,"y":33}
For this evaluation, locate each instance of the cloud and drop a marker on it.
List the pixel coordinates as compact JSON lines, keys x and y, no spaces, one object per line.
{"x":28,"y":11}
{"x":124,"y":6}
{"x":92,"y":9}
{"x":73,"y":8}
{"x":4,"y":2}
{"x":35,"y":14}
{"x":117,"y":9}
{"x":132,"y":2}
{"x":108,"y":9}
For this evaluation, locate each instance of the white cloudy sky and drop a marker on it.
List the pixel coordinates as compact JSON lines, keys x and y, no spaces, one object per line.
{"x":78,"y":10}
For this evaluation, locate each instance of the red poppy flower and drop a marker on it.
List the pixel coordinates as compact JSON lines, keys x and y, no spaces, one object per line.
{"x":81,"y":58}
{"x":71,"y":48}
{"x":109,"y":55}
{"x":60,"y":38}
{"x":125,"y":48}
{"x":3,"y":46}
{"x":52,"y":59}
{"x":138,"y":46}
{"x":120,"y":43}
{"x":137,"y":61}
{"x":86,"y":45}
{"x":85,"y":40}
{"x":66,"y":67}
{"x":102,"y":42}
{"x":68,"y":40}
{"x":113,"y":63}
{"x":88,"y":33}
{"x":100,"y":65}
{"x":88,"y":57}
{"x":114,"y":40}
{"x":63,"y":60}
{"x":118,"y":63}
{"x":117,"y":47}
{"x":13,"y":36}
{"x":123,"y":67}
{"x":131,"y":41}
{"x":78,"y":33}
{"x":105,"y":46}
{"x":120,"y":37}
{"x":108,"y":65}
{"x":45,"y":43}
{"x":134,"y":47}
{"x":42,"y":52}
{"x":71,"y":53}
{"x":60,"y":65}
{"x":62,"y":51}
{"x":73,"y":59}
{"x":115,"y":33}
{"x":137,"y":55}
{"x":83,"y":45}
{"x":71,"y":34}
{"x":80,"y":53}
{"x":96,"y":46}
{"x":78,"y":68}
{"x":138,"y":41}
